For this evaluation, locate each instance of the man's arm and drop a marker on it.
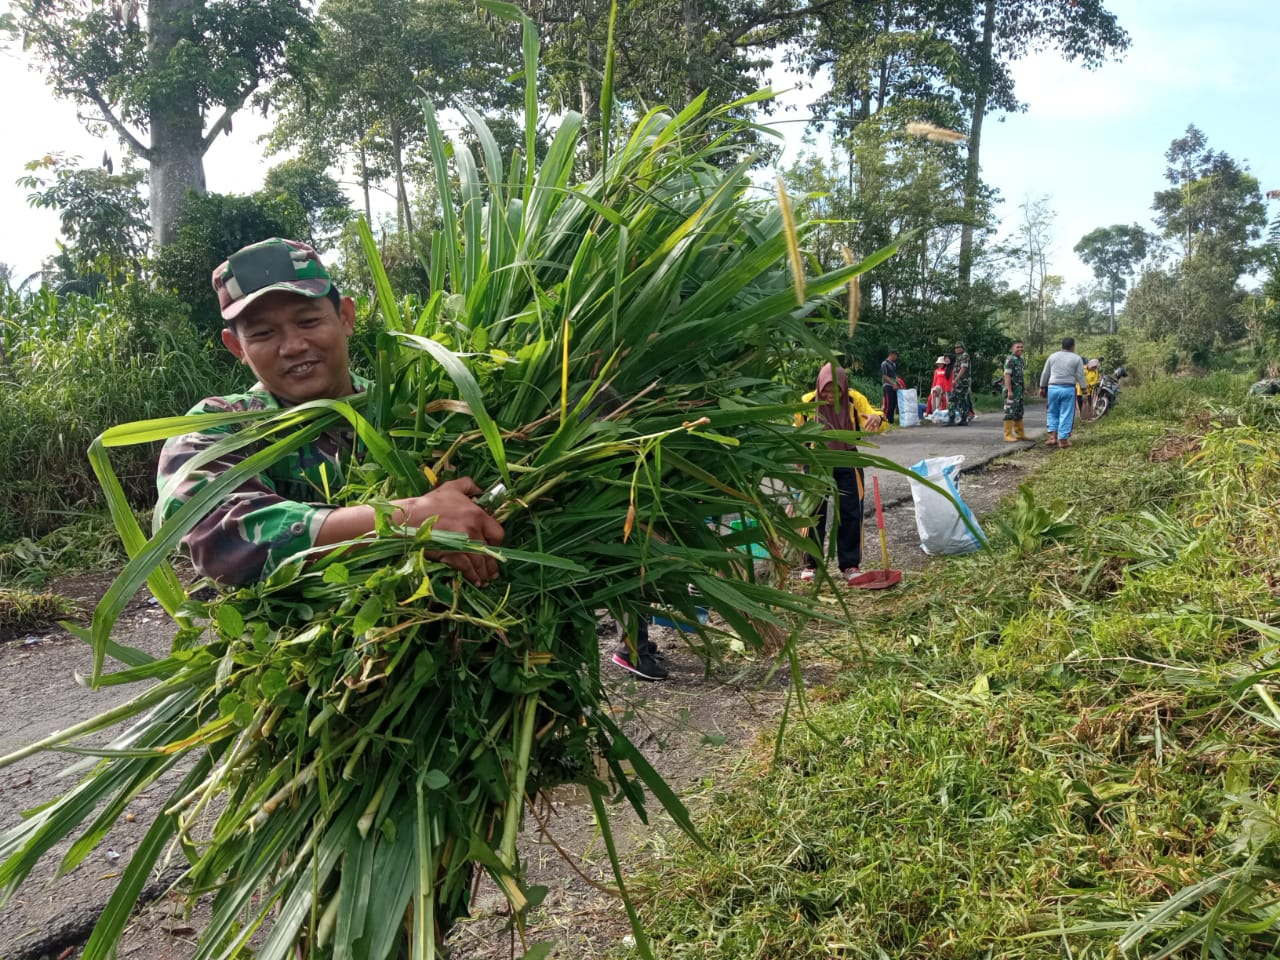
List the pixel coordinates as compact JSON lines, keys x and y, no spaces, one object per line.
{"x":453,"y":508}
{"x":253,"y":529}
{"x":1008,"y":380}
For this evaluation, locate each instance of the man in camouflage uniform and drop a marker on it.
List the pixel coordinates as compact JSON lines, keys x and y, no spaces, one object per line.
{"x":287,"y":322}
{"x":960,"y":403}
{"x":1015,"y":370}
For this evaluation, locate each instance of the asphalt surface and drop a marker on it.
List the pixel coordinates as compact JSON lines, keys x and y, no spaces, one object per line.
{"x":979,"y":442}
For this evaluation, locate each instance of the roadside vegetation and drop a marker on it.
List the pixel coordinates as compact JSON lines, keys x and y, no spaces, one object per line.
{"x":73,"y":365}
{"x":1064,"y":746}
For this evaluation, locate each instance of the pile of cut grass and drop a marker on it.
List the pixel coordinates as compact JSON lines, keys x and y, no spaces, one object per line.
{"x":1067,"y":754}
{"x":24,"y":609}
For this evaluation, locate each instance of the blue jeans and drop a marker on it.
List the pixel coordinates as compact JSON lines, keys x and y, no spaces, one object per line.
{"x":1062,"y":410}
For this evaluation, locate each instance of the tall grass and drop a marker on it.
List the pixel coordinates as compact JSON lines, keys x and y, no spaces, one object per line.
{"x":1067,"y":754}
{"x":71,"y":367}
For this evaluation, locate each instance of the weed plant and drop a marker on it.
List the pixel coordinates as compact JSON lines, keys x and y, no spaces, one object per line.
{"x":1061,"y":752}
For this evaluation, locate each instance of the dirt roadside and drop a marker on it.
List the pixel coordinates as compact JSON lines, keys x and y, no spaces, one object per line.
{"x":694,"y":727}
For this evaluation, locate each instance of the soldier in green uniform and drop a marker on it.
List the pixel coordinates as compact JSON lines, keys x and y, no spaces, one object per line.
{"x":287,"y":322}
{"x":960,"y":403}
{"x":1015,"y":369}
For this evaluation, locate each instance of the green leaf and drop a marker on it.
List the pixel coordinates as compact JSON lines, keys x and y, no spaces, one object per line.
{"x":229,"y":620}
{"x":336,"y":573}
{"x":367,"y":617}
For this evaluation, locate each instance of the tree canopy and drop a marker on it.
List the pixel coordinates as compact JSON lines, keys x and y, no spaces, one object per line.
{"x":166,"y":78}
{"x":1113,"y":253}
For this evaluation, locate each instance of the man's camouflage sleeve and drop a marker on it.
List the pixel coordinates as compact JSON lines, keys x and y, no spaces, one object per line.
{"x":253,"y":528}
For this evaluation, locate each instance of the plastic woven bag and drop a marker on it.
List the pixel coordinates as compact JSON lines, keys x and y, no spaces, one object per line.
{"x":941,"y":526}
{"x":908,"y":408}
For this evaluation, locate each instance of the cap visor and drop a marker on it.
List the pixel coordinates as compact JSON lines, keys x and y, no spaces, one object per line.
{"x":313,"y":288}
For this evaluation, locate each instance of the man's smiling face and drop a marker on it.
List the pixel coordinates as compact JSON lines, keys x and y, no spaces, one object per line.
{"x":296,"y":346}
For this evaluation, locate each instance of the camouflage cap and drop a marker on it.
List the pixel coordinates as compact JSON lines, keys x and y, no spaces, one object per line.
{"x":259,"y":268}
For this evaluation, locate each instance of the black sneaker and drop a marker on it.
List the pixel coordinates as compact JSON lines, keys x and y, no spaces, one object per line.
{"x":647,"y":669}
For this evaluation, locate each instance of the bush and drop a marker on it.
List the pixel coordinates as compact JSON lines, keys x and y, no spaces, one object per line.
{"x":73,"y":366}
{"x":212,"y":226}
{"x":1113,"y":353}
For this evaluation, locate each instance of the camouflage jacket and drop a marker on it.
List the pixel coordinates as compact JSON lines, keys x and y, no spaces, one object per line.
{"x":271,"y":517}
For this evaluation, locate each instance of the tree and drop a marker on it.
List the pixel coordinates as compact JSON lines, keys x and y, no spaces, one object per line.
{"x":1113,"y":253}
{"x":155,"y":78}
{"x":1212,"y":204}
{"x":1035,"y":231}
{"x":358,"y":94}
{"x":102,"y":214}
{"x":946,"y":62}
{"x":990,"y":35}
{"x":674,"y":50}
{"x":1214,"y":209}
{"x":304,"y":179}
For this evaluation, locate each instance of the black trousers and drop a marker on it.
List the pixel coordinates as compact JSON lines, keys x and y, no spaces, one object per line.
{"x":889,"y":403}
{"x":848,"y":521}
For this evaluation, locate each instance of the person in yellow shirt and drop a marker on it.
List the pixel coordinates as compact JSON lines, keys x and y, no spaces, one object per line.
{"x":839,"y":407}
{"x":1092,"y":374}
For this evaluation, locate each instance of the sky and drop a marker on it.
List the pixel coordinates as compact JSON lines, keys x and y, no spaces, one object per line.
{"x":1093,"y":142}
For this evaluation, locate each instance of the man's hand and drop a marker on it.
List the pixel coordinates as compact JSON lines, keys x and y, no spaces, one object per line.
{"x":454,"y":507}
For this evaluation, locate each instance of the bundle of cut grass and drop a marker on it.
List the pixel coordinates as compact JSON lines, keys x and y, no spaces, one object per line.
{"x":358,"y":733}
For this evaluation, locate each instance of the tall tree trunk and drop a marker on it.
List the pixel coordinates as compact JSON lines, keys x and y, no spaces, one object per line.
{"x":695,"y":29}
{"x":1111,"y":327}
{"x":177,"y":126}
{"x":973,"y":166}
{"x":404,"y":216}
{"x":364,"y":185}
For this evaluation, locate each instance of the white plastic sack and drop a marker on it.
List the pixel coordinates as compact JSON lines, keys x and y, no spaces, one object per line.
{"x":939,"y":416}
{"x":941,"y":526}
{"x":908,"y":408}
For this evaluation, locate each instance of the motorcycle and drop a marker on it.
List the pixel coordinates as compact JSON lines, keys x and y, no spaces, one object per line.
{"x":1107,"y":391}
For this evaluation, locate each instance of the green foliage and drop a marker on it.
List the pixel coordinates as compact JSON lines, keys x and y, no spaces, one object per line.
{"x":355,"y":97}
{"x":304,"y":180}
{"x":1113,"y":253}
{"x":212,"y":227}
{"x":1114,"y":353}
{"x":1029,"y":526}
{"x":86,"y":542}
{"x":102,"y":214}
{"x":401,"y":258}
{"x":1214,"y":212}
{"x":72,"y":367}
{"x":1071,"y":755}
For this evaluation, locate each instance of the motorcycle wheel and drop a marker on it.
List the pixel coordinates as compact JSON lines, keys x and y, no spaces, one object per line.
{"x":1101,"y":404}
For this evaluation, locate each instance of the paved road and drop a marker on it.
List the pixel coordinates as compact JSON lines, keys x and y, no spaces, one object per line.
{"x":980,"y":442}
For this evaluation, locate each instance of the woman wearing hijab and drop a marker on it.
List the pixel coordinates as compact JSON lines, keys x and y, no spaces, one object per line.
{"x":842,"y":408}
{"x":941,"y":386}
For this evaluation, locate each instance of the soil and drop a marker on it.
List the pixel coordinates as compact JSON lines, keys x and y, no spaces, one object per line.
{"x":694,"y":727}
